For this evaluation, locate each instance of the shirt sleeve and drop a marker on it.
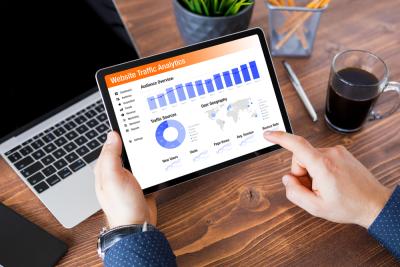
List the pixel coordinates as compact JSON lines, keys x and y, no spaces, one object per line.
{"x":386,"y":227}
{"x":149,"y":248}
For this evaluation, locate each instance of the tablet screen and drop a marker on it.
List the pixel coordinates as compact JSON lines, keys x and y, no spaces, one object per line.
{"x":191,"y":111}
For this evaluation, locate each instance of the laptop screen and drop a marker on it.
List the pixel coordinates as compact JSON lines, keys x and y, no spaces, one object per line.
{"x":44,"y":43}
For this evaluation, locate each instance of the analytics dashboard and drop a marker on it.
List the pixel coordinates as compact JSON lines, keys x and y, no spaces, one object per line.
{"x":192,"y":111}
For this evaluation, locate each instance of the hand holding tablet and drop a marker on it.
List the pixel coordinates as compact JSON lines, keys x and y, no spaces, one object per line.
{"x":194,"y":110}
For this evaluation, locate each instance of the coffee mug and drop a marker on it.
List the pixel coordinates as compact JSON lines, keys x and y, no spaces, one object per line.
{"x":357,"y":79}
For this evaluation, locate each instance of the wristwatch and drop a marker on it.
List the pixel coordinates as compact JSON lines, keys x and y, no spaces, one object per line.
{"x":108,"y":237}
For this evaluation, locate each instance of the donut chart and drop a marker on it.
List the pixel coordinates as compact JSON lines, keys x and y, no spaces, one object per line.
{"x":160,"y":134}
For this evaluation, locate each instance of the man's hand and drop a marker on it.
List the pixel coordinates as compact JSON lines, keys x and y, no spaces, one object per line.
{"x":330,"y":183}
{"x":117,"y":190}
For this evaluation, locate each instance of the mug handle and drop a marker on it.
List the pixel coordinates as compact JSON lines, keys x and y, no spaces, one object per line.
{"x":391,"y":86}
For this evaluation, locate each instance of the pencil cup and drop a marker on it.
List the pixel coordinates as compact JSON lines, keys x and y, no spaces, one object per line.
{"x":292,"y":29}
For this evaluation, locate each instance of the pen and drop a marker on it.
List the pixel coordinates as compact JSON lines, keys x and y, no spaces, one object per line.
{"x":300,"y":91}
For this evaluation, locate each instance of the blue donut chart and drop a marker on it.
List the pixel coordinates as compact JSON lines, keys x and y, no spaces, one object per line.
{"x":160,"y":134}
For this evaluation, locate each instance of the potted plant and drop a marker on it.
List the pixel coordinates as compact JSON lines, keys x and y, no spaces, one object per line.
{"x":200,"y":20}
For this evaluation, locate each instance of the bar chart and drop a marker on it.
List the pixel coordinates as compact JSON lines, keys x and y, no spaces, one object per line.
{"x":218,"y":81}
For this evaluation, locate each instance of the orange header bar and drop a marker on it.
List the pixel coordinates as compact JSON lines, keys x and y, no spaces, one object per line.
{"x":180,"y":61}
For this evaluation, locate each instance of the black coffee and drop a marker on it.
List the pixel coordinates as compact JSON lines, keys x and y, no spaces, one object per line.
{"x":351,"y":95}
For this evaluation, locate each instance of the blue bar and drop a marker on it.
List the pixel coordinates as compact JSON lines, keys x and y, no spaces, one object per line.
{"x":245,"y":72}
{"x":236,"y":76}
{"x":161,"y":100}
{"x":181,"y":93}
{"x":218,"y":81}
{"x":254,"y":70}
{"x":190,"y":90}
{"x":171,"y":95}
{"x":227,"y":78}
{"x":200,"y":88}
{"x":209,"y":85}
{"x":152,"y":103}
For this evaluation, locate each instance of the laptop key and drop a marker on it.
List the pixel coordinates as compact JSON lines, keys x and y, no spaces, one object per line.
{"x":12,"y":150}
{"x":37,"y":144}
{"x":52,"y":180}
{"x":59,"y":131}
{"x":93,"y":155}
{"x":48,"y":160}
{"x":41,"y":187}
{"x":93,"y":144}
{"x":27,"y":142}
{"x":48,"y":138}
{"x":38,"y":154}
{"x":36,"y":178}
{"x":25,"y":150}
{"x":23,"y":162}
{"x":31,"y":169}
{"x":49,"y":129}
{"x":79,"y":164}
{"x":92,"y":123}
{"x":59,"y":153}
{"x":91,"y":134}
{"x":102,"y":128}
{"x":102,"y":138}
{"x":49,"y":148}
{"x":80,"y":140}
{"x":81,"y":119}
{"x":71,"y":135}
{"x":70,"y":118}
{"x":82,"y":128}
{"x":102,"y":117}
{"x":61,"y":163}
{"x":70,"y":125}
{"x":70,"y":146}
{"x":60,"y":141}
{"x":71,"y":157}
{"x":99,"y":108}
{"x":91,"y":113}
{"x":14,"y":157}
{"x":49,"y":170}
{"x":64,"y":173}
{"x":82,"y":150}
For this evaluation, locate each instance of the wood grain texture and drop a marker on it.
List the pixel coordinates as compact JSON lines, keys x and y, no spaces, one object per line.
{"x":240,"y":215}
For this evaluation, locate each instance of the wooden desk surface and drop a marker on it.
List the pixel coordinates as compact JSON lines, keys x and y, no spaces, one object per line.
{"x":240,"y":216}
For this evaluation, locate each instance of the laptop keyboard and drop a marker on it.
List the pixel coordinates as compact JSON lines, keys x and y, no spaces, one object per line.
{"x":51,"y":156}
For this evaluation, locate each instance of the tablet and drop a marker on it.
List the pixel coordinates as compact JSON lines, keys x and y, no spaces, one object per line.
{"x":194,"y":110}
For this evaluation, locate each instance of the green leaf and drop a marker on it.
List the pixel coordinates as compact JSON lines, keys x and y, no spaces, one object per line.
{"x":216,"y":7}
{"x":197,"y":7}
{"x":189,"y":4}
{"x":228,"y":12}
{"x":205,"y":8}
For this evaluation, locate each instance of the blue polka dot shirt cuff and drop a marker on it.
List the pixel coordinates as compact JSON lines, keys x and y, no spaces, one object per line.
{"x":386,"y":227}
{"x":149,"y":248}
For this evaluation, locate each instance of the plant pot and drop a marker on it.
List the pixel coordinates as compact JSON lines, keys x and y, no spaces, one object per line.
{"x":195,"y":28}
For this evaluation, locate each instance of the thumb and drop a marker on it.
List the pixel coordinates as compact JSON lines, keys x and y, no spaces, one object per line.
{"x":300,"y":195}
{"x":110,"y":156}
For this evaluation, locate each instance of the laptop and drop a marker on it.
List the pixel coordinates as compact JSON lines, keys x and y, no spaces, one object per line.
{"x":53,"y":119}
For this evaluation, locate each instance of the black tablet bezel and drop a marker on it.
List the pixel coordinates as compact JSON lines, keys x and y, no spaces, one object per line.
{"x":101,"y":74}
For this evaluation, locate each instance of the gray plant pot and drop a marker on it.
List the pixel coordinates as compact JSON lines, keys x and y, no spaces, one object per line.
{"x":195,"y":28}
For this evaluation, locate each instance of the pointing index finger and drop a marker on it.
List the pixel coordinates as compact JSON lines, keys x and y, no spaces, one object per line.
{"x":304,"y":152}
